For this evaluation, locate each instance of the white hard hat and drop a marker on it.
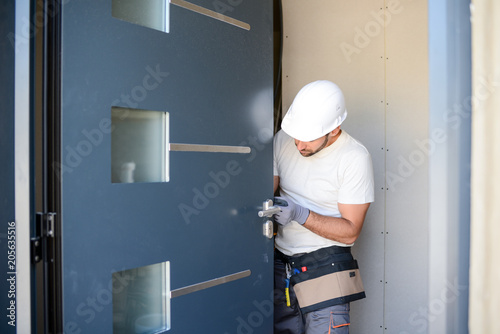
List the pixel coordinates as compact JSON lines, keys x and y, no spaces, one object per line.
{"x":318,"y":108}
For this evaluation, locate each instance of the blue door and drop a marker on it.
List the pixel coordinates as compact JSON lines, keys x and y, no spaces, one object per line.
{"x":164,"y":159}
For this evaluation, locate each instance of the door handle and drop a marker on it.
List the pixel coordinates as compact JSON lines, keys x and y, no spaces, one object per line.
{"x":268,"y":209}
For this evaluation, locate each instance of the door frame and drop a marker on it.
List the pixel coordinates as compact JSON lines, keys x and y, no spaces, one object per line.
{"x":31,"y":41}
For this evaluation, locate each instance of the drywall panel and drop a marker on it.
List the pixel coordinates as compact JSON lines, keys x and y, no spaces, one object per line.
{"x":343,"y":41}
{"x":408,"y":146}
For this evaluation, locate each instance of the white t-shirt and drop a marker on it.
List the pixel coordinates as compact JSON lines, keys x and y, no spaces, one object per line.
{"x":339,"y":173}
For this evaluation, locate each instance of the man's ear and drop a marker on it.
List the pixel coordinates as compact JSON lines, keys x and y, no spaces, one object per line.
{"x":335,"y":131}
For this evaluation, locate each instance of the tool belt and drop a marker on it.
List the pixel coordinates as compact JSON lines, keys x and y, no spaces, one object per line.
{"x":323,"y":278}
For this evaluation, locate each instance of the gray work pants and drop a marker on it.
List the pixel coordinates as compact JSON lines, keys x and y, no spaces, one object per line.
{"x":289,"y":319}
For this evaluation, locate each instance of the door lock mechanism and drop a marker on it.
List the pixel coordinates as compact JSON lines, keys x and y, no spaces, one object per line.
{"x":268,"y":229}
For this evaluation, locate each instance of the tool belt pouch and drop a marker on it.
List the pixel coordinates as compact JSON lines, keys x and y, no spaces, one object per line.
{"x":328,"y":285}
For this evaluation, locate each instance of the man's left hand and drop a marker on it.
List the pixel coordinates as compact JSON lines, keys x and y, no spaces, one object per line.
{"x":290,"y":212}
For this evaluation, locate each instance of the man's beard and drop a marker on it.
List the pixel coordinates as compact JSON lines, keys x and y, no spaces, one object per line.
{"x":307,"y":154}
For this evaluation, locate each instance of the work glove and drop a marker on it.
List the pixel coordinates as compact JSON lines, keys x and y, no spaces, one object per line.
{"x":289,"y":211}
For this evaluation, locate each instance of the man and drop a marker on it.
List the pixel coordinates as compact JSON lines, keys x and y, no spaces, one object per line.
{"x":325,"y":179}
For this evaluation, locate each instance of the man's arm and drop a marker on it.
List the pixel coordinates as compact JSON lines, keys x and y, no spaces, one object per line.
{"x":276,"y":183}
{"x":345,"y":229}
